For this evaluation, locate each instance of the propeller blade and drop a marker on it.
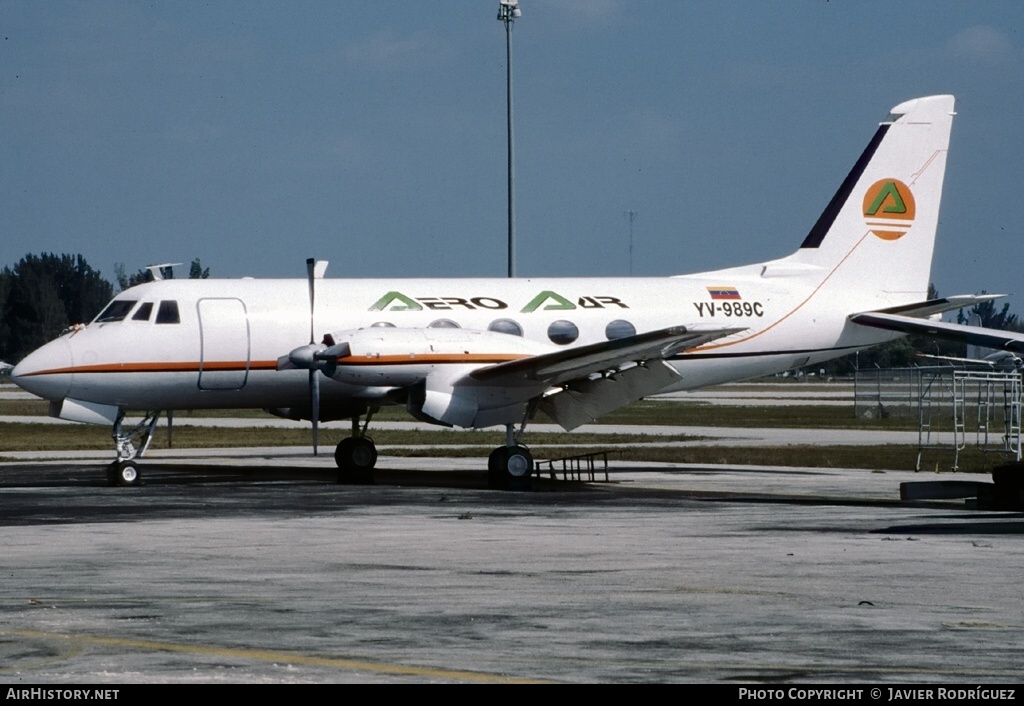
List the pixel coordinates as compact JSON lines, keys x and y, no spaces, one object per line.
{"x":310,"y":267}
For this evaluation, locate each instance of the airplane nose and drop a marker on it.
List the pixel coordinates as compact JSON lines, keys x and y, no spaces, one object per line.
{"x":46,"y":371}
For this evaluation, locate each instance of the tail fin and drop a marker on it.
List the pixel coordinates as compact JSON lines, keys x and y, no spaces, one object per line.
{"x":877,"y":235}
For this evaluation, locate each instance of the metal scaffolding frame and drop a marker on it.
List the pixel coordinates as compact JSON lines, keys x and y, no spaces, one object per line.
{"x":984,"y":403}
{"x":952,"y":404}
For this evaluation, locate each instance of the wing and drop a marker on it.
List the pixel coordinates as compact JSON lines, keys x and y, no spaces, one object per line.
{"x":564,"y":366}
{"x":986,"y":337}
{"x":596,"y":379}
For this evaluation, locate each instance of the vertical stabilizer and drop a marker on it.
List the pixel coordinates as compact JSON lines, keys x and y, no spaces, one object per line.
{"x":874,"y":241}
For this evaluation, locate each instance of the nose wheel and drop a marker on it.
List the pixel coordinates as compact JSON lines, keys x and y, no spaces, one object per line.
{"x":124,"y":474}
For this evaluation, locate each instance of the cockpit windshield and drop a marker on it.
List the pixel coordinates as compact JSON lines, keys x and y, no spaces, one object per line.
{"x":115,"y":311}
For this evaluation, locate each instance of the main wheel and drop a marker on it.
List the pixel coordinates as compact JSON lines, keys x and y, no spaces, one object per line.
{"x":356,"y":457}
{"x":519,"y":463}
{"x":496,"y":476}
{"x":496,"y":461}
{"x":124,"y":474}
{"x":510,"y":467}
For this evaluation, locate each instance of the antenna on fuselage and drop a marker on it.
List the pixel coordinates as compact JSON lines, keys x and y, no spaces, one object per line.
{"x":158,"y":270}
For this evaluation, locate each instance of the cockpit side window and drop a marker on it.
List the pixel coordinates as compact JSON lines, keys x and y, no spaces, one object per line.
{"x":168,"y":313}
{"x":144,"y":312}
{"x":115,"y":311}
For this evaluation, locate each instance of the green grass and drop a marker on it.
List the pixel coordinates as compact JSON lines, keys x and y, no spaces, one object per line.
{"x":44,"y":437}
{"x":810,"y":416}
{"x":643,"y":412}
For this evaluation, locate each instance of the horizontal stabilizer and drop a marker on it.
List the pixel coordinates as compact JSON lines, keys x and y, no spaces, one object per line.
{"x":975,"y":335}
{"x":941,"y":305}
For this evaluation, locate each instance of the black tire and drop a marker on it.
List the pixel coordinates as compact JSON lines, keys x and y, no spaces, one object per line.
{"x":1009,"y":478}
{"x":496,"y":461}
{"x":510,"y":468}
{"x":126,"y":474}
{"x":355,"y":457}
{"x":496,"y":476}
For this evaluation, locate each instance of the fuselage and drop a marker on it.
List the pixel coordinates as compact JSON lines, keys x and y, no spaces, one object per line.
{"x":192,"y":344}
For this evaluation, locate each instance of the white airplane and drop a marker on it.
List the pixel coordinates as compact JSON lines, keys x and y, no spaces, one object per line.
{"x":482,"y":352}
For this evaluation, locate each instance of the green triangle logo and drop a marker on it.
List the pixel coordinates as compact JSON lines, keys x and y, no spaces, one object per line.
{"x":395,"y":301}
{"x":557,"y":302}
{"x":895,"y":206}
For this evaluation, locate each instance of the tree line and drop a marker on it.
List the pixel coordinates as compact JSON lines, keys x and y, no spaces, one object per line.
{"x":44,"y":294}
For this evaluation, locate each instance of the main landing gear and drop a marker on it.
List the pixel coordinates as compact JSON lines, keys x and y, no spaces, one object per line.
{"x":511,"y":466}
{"x":356,"y":455}
{"x":130,"y":443}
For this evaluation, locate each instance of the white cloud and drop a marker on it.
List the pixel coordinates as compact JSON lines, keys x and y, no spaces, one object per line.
{"x":584,"y":11}
{"x":386,"y":50}
{"x":983,"y":43}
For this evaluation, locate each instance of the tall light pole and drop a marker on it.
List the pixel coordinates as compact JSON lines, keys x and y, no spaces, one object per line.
{"x":509,"y":12}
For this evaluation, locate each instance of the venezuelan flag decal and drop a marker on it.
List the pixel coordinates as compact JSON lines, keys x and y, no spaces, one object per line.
{"x":724,"y":293}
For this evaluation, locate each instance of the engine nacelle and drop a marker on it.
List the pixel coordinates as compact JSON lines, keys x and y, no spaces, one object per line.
{"x":401,"y":357}
{"x":426,"y":365}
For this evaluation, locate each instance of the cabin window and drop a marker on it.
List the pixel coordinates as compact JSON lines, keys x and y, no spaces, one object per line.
{"x":115,"y":311}
{"x":563,"y":332}
{"x":619,"y":329}
{"x":506,"y":326}
{"x":443,"y":323}
{"x":144,"y":312}
{"x":168,"y":313}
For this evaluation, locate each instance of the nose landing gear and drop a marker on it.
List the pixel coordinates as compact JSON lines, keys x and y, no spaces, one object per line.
{"x":130,"y":443}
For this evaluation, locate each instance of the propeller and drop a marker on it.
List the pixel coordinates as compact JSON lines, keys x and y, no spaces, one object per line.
{"x":308,"y":357}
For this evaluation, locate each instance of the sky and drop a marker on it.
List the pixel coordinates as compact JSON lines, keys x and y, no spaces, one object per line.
{"x":252,"y":135}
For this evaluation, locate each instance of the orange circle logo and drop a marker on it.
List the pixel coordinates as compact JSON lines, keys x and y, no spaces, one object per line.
{"x":889,"y":209}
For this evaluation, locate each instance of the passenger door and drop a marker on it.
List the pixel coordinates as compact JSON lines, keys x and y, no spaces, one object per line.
{"x":224,"y":344}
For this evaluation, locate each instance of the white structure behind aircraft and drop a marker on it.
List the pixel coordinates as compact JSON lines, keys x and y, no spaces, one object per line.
{"x":483,"y":352}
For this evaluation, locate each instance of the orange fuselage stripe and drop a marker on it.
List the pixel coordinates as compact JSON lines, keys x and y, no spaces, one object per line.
{"x":227,"y":366}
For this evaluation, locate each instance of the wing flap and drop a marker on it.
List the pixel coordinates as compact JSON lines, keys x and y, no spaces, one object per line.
{"x":585,"y":400}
